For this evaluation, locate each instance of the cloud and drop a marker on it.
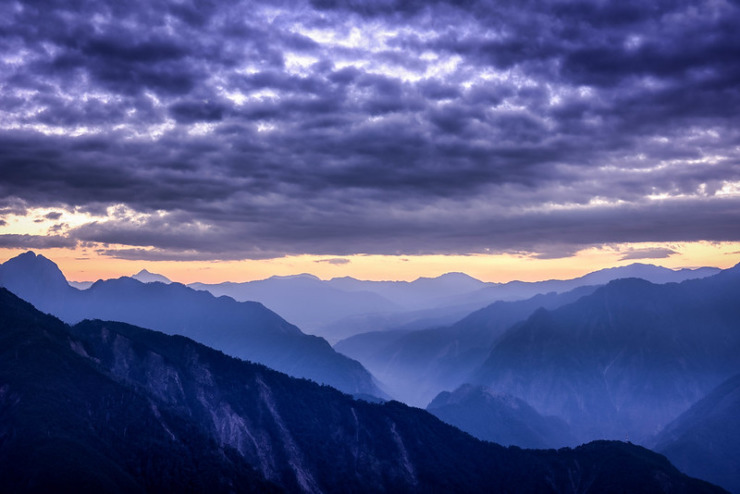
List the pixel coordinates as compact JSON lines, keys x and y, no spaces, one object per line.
{"x":657,"y":253}
{"x":10,"y":240}
{"x":336,"y":261}
{"x":54,"y":215}
{"x":256,"y":129}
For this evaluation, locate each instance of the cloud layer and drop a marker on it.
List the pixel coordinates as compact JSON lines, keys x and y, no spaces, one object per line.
{"x":227,"y":130}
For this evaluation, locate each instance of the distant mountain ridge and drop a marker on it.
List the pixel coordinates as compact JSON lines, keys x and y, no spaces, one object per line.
{"x":625,"y":360}
{"x":243,"y":329}
{"x":342,"y":307}
{"x":146,"y":277}
{"x":110,"y":407}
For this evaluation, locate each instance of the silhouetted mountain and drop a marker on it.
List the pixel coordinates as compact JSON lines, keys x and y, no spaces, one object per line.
{"x":34,"y":277}
{"x":243,"y":329}
{"x":417,"y":365}
{"x":109,"y":407}
{"x":303,"y":300}
{"x":499,"y":418}
{"x":342,"y":307}
{"x":519,"y":290}
{"x":422,"y":293}
{"x":146,"y":277}
{"x":626,"y":360}
{"x":705,"y":440}
{"x":435,"y":302}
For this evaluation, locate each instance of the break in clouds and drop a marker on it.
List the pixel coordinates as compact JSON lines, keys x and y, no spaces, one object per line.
{"x":226,"y":130}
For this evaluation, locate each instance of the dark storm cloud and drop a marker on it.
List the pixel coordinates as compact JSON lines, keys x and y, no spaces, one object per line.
{"x":10,"y":240}
{"x":259,"y":129}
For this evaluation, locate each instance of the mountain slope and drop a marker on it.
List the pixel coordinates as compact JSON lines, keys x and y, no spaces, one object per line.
{"x":518,"y":290}
{"x":102,"y":404}
{"x":36,"y":278}
{"x":243,"y":329}
{"x":626,"y":360}
{"x":417,"y":365}
{"x":705,"y":440}
{"x":498,"y":418}
{"x":65,"y":426}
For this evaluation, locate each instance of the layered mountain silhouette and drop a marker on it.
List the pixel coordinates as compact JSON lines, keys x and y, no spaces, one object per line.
{"x":417,"y":365}
{"x":110,"y":407}
{"x":626,"y":360}
{"x":705,"y":440}
{"x":342,"y":307}
{"x":498,"y":418}
{"x":246,"y":330}
{"x":303,"y":299}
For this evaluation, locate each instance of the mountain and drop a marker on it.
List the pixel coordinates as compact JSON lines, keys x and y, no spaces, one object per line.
{"x":705,"y":440}
{"x":146,"y":277}
{"x":110,"y":407}
{"x":304,"y":299}
{"x":625,"y":360}
{"x":67,"y":426}
{"x":417,"y":365}
{"x":243,"y":329}
{"x":435,"y":302}
{"x":34,"y":277}
{"x":498,"y":418}
{"x":349,"y":326}
{"x":422,"y":293}
{"x":519,"y":290}
{"x":80,"y":285}
{"x":342,"y":307}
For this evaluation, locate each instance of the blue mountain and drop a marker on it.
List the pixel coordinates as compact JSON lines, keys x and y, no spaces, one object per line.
{"x":246,"y":330}
{"x":110,"y":407}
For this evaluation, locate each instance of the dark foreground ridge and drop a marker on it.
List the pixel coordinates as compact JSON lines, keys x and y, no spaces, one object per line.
{"x":109,"y":407}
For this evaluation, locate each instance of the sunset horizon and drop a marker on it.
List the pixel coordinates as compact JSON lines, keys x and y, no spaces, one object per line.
{"x":487,"y":268}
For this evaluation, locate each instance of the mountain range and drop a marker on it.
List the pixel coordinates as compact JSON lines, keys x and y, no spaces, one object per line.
{"x":342,"y":307}
{"x":246,"y":330}
{"x":416,"y":365}
{"x":110,"y":407}
{"x":625,"y":360}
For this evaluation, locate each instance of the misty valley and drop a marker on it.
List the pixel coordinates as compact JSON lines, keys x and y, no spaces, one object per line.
{"x":623,"y":380}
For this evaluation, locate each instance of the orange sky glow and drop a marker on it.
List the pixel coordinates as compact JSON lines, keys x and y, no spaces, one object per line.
{"x":86,"y":265}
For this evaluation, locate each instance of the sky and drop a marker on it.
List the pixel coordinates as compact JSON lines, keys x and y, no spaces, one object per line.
{"x":380,"y":139}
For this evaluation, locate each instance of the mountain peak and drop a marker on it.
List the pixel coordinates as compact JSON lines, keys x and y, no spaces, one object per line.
{"x":148,"y":277}
{"x":31,"y":264}
{"x":36,"y":279}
